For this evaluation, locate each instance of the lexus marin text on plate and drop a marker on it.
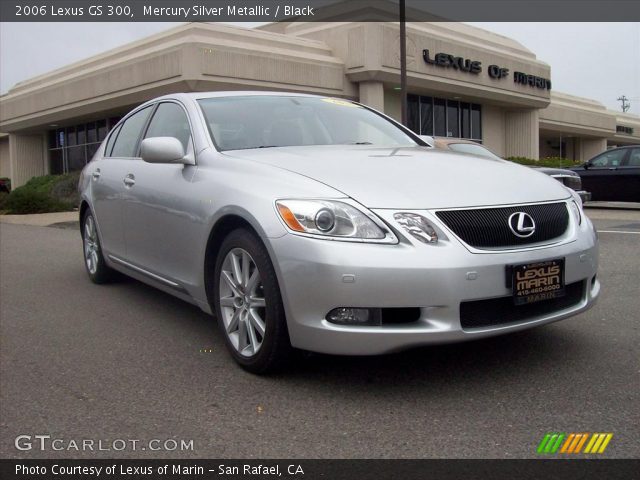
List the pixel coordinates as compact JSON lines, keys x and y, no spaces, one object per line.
{"x":314,"y":223}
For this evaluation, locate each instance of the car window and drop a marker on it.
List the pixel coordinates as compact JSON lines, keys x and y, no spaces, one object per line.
{"x":109,"y":145}
{"x":127,"y":140}
{"x":612,"y":158}
{"x":169,"y":120}
{"x":245,"y":122}
{"x":634,"y":158}
{"x":473,"y":149}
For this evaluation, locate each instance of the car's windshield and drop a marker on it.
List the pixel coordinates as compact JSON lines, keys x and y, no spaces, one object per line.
{"x":473,"y":149}
{"x":256,"y":121}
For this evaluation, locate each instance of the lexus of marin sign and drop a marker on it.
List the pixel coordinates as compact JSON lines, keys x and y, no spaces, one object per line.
{"x":446,"y":60}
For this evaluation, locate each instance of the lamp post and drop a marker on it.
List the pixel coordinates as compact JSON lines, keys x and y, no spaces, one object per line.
{"x":403,"y":64}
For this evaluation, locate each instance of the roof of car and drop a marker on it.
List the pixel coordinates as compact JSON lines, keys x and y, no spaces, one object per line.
{"x":236,"y":93}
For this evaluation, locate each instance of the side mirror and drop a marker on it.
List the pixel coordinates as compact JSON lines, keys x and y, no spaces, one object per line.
{"x":586,"y":165}
{"x":428,"y":140}
{"x":162,"y":150}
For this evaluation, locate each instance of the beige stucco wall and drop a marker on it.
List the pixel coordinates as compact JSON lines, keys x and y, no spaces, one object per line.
{"x":371,"y":52}
{"x":353,"y":60}
{"x":521,"y":133}
{"x":28,"y":157}
{"x":392,"y":104}
{"x":626,"y":120}
{"x":569,"y":114}
{"x":372,"y":94}
{"x":493,"y":129}
{"x":5,"y":166}
{"x":589,"y":148}
{"x":191,"y":57}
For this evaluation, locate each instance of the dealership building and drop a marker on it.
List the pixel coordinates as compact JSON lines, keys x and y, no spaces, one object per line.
{"x":462,"y":82}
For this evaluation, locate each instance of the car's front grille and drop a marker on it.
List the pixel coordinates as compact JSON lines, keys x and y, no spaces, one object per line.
{"x":497,"y":311}
{"x":489,"y":227}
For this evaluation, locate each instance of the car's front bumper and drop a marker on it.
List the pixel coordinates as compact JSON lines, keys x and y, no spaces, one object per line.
{"x":410,"y":274}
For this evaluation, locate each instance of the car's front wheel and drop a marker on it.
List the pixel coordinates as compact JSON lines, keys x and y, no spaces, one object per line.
{"x":94,"y":262}
{"x":248,"y":304}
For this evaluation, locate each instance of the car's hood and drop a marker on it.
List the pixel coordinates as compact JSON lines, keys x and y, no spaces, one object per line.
{"x":412,"y":177}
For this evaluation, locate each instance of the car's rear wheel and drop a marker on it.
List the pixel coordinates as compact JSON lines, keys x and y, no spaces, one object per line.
{"x":248,"y":304}
{"x":94,"y":262}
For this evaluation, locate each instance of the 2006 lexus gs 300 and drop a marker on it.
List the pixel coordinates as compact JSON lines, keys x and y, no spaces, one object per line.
{"x":314,"y":223}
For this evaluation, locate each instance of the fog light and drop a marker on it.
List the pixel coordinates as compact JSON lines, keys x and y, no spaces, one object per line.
{"x":355,"y":316}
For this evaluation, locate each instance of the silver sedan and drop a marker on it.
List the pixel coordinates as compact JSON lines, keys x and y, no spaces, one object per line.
{"x":314,"y":223}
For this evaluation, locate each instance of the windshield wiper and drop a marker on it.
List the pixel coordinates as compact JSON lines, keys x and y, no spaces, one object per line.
{"x":361,"y":143}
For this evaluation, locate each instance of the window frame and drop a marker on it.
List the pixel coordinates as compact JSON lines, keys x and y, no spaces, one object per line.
{"x":627,"y":157}
{"x":111,"y":135}
{"x":623,"y":159}
{"x":121,"y":123}
{"x":156,"y":105}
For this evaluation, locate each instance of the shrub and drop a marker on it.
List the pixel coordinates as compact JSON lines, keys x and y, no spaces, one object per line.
{"x":66,"y":189}
{"x":49,"y":193}
{"x":24,"y":201}
{"x":6,"y":181}
{"x":3,"y":201}
{"x":555,"y":162}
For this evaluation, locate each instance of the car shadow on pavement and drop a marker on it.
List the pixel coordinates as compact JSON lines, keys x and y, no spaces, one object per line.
{"x":498,"y":359}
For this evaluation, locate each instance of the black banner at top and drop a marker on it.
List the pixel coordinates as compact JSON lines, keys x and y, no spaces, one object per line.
{"x":318,"y":10}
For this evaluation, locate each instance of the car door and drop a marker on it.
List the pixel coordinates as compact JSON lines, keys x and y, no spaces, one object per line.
{"x":106,"y":197}
{"x":603,"y":178}
{"x":108,"y":187}
{"x":160,"y":226}
{"x":630,"y":176}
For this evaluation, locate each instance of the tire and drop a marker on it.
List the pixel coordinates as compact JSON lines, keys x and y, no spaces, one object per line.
{"x":94,"y":263}
{"x":248,"y":304}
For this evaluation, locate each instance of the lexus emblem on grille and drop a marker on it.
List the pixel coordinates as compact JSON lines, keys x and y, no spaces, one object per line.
{"x":522,"y":225}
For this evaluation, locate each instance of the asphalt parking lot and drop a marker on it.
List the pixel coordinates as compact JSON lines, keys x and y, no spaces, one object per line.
{"x":125,"y":361}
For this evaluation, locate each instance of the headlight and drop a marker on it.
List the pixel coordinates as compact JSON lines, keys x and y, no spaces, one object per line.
{"x":574,"y":182}
{"x":417,"y":226}
{"x":576,"y":210}
{"x":333,"y":219}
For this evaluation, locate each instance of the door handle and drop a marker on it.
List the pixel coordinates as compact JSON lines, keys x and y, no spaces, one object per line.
{"x":613,"y":168}
{"x":96,"y":174}
{"x":129,"y":180}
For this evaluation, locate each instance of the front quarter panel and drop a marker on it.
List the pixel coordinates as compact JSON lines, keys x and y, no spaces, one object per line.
{"x":226,"y":186}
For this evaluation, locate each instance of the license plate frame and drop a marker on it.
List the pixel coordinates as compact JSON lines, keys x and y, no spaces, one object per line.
{"x":537,"y":281}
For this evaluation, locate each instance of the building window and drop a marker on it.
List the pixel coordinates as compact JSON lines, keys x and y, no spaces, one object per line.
{"x":444,"y":118}
{"x":72,"y":147}
{"x":625,"y":130}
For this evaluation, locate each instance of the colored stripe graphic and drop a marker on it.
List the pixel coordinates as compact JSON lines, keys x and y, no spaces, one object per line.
{"x":551,"y":443}
{"x":572,"y":443}
{"x":567,"y":442}
{"x":543,"y":443}
{"x":598,"y":442}
{"x":581,"y":442}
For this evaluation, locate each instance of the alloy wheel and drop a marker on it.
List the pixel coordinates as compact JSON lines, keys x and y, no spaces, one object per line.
{"x":91,"y":246}
{"x":242,"y":302}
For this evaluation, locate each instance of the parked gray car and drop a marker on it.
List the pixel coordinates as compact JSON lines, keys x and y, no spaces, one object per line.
{"x":313,"y":223}
{"x":568,"y":178}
